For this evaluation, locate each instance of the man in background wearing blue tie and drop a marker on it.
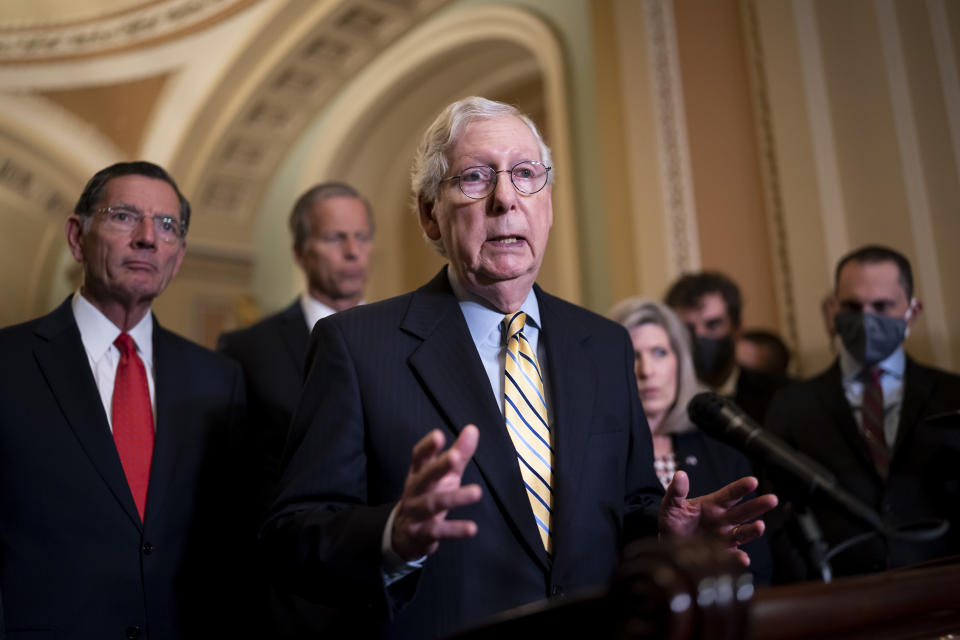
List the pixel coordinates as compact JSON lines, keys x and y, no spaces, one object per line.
{"x":550,"y":471}
{"x":118,"y":458}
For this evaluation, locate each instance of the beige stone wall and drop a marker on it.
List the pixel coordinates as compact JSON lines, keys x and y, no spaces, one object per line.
{"x":764,"y":138}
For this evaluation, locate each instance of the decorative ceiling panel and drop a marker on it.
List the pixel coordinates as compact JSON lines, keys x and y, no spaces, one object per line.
{"x":65,"y":29}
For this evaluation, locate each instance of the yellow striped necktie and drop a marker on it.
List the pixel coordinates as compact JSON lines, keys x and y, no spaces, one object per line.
{"x":525,"y":410}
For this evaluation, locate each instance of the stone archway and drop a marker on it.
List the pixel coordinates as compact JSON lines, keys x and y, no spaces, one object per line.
{"x":369,"y":132}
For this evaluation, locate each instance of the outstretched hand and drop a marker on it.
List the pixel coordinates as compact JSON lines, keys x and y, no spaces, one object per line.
{"x":431,"y":489}
{"x":719,"y":514}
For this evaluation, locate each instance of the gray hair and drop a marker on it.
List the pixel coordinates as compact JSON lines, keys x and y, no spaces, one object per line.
{"x":636,"y":312}
{"x":430,"y":164}
{"x":299,"y":218}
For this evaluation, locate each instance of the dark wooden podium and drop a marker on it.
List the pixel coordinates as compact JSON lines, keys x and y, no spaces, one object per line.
{"x":691,"y":590}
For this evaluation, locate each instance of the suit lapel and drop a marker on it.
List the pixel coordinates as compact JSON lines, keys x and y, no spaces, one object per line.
{"x":169,"y":440}
{"x":917,"y":389}
{"x":572,"y":393}
{"x":453,"y":375}
{"x":293,"y":330}
{"x":65,"y":365}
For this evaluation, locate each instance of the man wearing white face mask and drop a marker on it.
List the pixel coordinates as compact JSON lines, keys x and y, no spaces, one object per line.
{"x":864,"y":419}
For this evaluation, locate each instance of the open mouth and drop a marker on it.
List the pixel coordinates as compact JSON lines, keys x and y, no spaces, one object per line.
{"x":506,"y":241}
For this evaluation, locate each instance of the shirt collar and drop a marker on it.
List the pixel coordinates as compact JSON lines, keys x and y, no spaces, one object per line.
{"x":895,"y":364}
{"x":98,"y":333}
{"x":314,"y":310}
{"x":729,"y":386}
{"x":483,"y":320}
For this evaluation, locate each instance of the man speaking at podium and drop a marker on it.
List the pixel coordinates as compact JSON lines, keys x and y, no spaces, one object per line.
{"x":550,"y":472}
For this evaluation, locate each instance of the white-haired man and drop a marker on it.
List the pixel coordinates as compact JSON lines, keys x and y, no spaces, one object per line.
{"x":551,"y":468}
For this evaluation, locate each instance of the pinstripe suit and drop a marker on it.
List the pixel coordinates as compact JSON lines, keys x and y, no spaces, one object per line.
{"x":384,"y":375}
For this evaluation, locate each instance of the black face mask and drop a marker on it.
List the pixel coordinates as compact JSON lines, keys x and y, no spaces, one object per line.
{"x":712,"y":356}
{"x":869,"y":337}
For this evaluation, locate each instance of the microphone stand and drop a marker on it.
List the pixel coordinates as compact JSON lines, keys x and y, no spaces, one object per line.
{"x":817,"y":547}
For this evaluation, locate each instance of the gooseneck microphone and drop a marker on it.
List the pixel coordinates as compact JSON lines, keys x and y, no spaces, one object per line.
{"x":718,"y":417}
{"x":725,"y":421}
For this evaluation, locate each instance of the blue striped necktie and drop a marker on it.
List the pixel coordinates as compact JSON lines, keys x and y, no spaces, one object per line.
{"x":525,"y":410}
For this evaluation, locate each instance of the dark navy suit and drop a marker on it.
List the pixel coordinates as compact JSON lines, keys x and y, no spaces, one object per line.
{"x":272,"y":353}
{"x":75,"y":560}
{"x":384,"y":375}
{"x":815,"y":418}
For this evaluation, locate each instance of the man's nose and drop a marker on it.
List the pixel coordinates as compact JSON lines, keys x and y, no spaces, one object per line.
{"x":351,"y":247}
{"x":504,"y":194}
{"x":145,"y":233}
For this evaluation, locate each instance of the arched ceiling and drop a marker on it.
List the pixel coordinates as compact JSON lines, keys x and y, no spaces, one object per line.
{"x":218,"y":91}
{"x":37,"y":31}
{"x":270,"y":94}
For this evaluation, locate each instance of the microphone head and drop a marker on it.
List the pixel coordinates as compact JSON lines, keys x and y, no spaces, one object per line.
{"x":721,"y":418}
{"x":705,"y":410}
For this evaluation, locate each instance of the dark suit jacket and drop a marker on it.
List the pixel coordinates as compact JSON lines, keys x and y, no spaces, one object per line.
{"x":272,"y":354}
{"x":815,"y":418}
{"x":75,"y":560}
{"x":384,"y":375}
{"x":755,"y":389}
{"x":711,"y":465}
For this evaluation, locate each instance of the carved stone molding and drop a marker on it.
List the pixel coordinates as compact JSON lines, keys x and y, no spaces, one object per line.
{"x":155,"y":21}
{"x":24,"y":181}
{"x":245,"y":149}
{"x":683,"y":248}
{"x":783,"y":276}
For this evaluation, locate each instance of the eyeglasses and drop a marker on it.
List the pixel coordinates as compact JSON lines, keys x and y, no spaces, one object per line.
{"x":478,"y":182}
{"x":125,"y":219}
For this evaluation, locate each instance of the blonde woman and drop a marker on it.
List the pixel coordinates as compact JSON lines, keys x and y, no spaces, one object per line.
{"x":666,"y":382}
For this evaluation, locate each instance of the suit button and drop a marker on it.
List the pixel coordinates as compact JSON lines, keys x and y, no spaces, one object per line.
{"x":133,"y":632}
{"x":147,"y":548}
{"x":556,"y":591}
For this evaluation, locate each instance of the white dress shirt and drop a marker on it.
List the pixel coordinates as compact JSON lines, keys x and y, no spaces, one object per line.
{"x":98,"y":333}
{"x":314,"y":310}
{"x":891,"y":381}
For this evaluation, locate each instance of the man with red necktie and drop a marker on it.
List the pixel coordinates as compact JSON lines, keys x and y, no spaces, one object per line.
{"x":117,"y":437}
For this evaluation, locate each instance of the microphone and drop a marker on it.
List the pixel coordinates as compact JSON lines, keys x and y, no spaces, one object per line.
{"x":725,"y":421}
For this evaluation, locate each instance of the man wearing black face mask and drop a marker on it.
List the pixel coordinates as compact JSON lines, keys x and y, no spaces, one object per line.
{"x":863,"y":419}
{"x":709,"y":303}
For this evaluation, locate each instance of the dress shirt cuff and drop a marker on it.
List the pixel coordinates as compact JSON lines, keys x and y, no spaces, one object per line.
{"x":394,"y":567}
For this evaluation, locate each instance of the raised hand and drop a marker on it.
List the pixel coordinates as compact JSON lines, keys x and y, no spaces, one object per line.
{"x":719,"y":514}
{"x":431,"y":489}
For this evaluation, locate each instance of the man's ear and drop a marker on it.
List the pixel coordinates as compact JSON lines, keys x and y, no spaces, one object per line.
{"x":297,"y":254}
{"x":913,"y":310}
{"x":428,"y":219}
{"x":74,"y":229}
{"x":829,"y":306}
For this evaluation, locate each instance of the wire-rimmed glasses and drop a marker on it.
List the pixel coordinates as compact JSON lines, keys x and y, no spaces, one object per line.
{"x":124,"y":219}
{"x":528,"y":177}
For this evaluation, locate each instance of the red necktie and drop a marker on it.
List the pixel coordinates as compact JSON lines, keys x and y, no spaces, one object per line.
{"x":133,"y":420}
{"x":872,"y":416}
